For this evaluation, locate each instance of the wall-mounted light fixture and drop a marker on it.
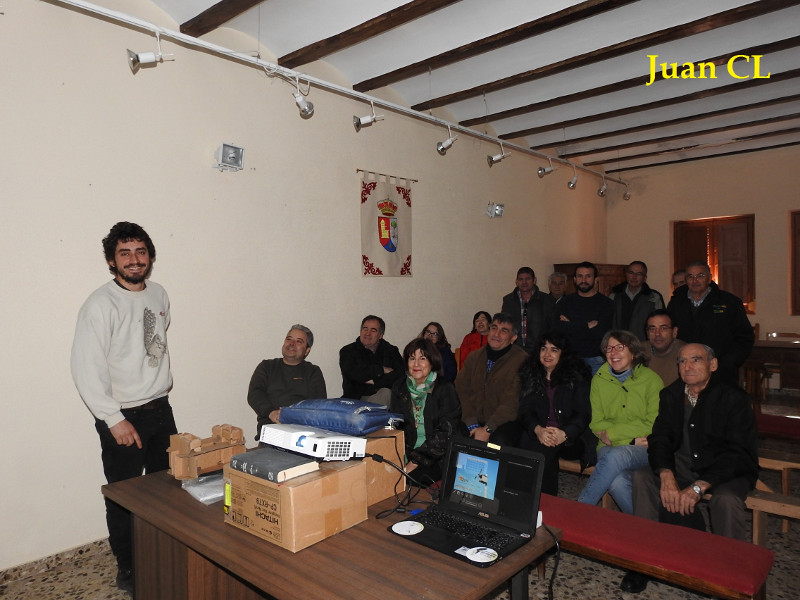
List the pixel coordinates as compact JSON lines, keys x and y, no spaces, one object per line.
{"x":230,"y":158}
{"x":366,"y":121}
{"x":602,"y":190}
{"x":442,"y":147}
{"x":496,"y":158}
{"x":138,"y":59}
{"x":573,"y":183}
{"x":627,"y":195}
{"x":546,"y":170}
{"x":306,"y":108}
{"x":495,"y":210}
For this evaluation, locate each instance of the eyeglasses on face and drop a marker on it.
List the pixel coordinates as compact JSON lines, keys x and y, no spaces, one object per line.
{"x":699,"y":277}
{"x":636,"y":273}
{"x":615,"y":348}
{"x":432,"y":333}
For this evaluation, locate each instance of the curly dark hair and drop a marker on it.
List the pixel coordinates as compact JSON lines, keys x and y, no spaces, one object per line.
{"x":429,"y":351}
{"x":570,"y":367}
{"x":126,"y":232}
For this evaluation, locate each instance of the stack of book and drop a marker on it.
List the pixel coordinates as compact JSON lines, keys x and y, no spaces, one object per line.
{"x":273,"y":464}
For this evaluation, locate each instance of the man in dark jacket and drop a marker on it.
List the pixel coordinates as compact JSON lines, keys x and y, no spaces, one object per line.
{"x":703,"y":441}
{"x":705,"y":314}
{"x":634,"y":300}
{"x":530,"y":308}
{"x":370,"y":365}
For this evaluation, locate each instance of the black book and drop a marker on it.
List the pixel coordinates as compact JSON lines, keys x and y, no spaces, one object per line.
{"x":273,"y":464}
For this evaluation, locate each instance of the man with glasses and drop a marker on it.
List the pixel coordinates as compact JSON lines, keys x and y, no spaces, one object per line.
{"x":705,"y":314}
{"x":530,"y":308}
{"x":664,"y":345}
{"x":703,"y":441}
{"x":634,"y":300}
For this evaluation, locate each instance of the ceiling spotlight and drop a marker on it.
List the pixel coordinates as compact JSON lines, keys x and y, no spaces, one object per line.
{"x":495,"y":210}
{"x":306,"y":107}
{"x":441,"y":147}
{"x":359,"y":122}
{"x":573,"y":183}
{"x":546,"y":170}
{"x":137,"y":59}
{"x":602,"y":191}
{"x":496,"y":158}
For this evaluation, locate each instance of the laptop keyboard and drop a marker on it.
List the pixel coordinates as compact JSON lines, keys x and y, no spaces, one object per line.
{"x":480,"y":534}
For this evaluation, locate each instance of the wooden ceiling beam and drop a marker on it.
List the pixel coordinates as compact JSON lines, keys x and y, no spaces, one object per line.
{"x":216,"y":16}
{"x":616,"y":86}
{"x":644,"y":42}
{"x":733,"y":87}
{"x":584,"y":10}
{"x":366,"y":30}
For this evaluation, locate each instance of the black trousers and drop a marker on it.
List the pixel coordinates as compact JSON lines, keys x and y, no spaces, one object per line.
{"x":154,"y":425}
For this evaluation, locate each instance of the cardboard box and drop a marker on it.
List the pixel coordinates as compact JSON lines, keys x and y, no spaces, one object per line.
{"x":302,"y":510}
{"x":381,"y":478}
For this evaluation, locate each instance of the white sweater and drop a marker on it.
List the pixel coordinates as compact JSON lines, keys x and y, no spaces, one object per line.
{"x":119,"y":354}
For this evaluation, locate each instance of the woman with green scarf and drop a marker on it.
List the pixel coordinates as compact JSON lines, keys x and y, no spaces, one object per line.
{"x":430,"y":407}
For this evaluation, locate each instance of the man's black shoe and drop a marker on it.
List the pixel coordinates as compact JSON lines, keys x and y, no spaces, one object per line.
{"x":634,"y":582}
{"x":125,"y":580}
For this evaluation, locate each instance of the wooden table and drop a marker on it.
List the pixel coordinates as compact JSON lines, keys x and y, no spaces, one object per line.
{"x":184,"y":550}
{"x":786,"y":354}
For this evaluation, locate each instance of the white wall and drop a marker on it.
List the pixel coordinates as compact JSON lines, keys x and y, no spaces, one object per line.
{"x":762,"y":183}
{"x":243,"y":255}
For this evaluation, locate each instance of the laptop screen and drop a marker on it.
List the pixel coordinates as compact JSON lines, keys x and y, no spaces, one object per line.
{"x":498,"y":484}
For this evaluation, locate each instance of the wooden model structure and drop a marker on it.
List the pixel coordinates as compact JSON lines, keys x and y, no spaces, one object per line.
{"x":190,"y":456}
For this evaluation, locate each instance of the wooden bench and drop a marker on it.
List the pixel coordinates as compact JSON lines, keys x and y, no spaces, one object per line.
{"x":697,"y":560}
{"x":785,"y":462}
{"x":764,"y":503}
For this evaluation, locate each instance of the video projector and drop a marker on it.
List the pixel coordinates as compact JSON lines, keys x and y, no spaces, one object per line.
{"x":319,"y":443}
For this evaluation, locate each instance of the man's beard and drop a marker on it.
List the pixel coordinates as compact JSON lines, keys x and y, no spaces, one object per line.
{"x":584,"y":287}
{"x":135,"y":279}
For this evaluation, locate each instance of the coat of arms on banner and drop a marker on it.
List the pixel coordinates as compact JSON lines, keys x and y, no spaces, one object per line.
{"x":387,"y":204}
{"x":387,"y":225}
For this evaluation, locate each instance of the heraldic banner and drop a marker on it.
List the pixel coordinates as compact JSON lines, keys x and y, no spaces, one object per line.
{"x":385,"y":225}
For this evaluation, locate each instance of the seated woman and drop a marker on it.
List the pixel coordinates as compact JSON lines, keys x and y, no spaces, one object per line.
{"x":476,"y":338}
{"x":624,"y":398}
{"x":431,"y":409}
{"x":435,"y":333}
{"x":554,"y":409}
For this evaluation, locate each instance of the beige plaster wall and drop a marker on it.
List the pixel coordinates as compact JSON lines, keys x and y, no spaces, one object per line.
{"x":243,"y":255}
{"x":764,"y":183}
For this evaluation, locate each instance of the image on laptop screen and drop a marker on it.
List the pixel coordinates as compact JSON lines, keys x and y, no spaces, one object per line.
{"x":497,"y":484}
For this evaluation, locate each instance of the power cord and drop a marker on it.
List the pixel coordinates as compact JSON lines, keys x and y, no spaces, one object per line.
{"x":555,"y":566}
{"x":410,"y":495}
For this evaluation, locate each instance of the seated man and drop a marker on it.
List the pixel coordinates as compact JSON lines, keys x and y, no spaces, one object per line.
{"x":663,"y":345}
{"x":703,"y":440}
{"x":280,"y":382}
{"x":488,"y":385}
{"x":370,"y":365}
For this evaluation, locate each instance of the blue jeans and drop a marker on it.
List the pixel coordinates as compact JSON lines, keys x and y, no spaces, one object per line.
{"x":594,"y":362}
{"x":613,"y":473}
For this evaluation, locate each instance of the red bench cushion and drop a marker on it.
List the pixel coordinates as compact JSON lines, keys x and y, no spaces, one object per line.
{"x":722,"y":561}
{"x":776,"y":425}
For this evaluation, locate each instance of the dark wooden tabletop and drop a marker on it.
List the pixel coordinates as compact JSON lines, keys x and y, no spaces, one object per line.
{"x":365,"y":561}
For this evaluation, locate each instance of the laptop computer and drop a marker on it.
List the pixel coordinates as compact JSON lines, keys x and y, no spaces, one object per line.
{"x":488,"y":507}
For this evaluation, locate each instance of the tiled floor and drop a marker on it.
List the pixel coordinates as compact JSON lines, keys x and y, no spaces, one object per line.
{"x":88,"y":573}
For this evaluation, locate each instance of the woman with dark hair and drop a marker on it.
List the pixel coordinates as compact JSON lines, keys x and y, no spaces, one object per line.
{"x":430,"y":407}
{"x":624,"y":396}
{"x":554,"y":409}
{"x":434,"y":332}
{"x":476,"y":338}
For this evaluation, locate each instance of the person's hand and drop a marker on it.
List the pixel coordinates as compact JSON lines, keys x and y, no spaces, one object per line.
{"x":603,"y":437}
{"x":550,"y":436}
{"x":688,"y":500}
{"x":592,"y":324}
{"x":387,"y":370}
{"x":564,"y":318}
{"x":410,"y":467}
{"x":480,"y":434}
{"x":670,"y":492}
{"x":275,"y":415}
{"x":125,"y":434}
{"x":640,"y":441}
